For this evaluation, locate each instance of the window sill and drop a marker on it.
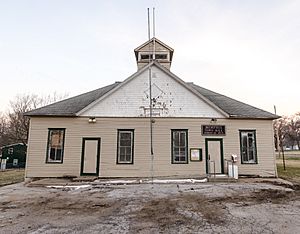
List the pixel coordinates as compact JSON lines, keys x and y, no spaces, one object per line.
{"x":247,"y":163}
{"x":124,"y":163}
{"x":54,"y":162}
{"x":179,"y":162}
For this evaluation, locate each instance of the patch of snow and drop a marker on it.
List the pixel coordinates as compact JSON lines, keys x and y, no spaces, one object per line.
{"x":155,"y":181}
{"x":72,"y":187}
{"x":179,"y":181}
{"x":118,"y":182}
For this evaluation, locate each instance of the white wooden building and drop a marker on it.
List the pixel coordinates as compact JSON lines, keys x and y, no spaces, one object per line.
{"x":106,"y":132}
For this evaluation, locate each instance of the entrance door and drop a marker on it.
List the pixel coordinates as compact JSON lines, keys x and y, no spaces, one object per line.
{"x":90,"y":156}
{"x":214,"y":153}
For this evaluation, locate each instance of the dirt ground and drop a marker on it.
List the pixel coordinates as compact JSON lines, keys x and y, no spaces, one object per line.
{"x":146,"y":208}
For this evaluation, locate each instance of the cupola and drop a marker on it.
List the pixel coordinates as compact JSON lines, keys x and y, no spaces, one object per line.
{"x":154,"y":49}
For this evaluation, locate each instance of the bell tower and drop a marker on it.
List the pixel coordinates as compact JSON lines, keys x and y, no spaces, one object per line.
{"x":156,"y":50}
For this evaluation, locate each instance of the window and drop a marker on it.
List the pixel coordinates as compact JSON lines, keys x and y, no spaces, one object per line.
{"x":55,"y":147}
{"x":161,"y":56}
{"x":179,"y":146}
{"x":146,"y":56}
{"x":157,"y":56}
{"x":248,"y":146}
{"x":125,"y":146}
{"x":10,"y":150}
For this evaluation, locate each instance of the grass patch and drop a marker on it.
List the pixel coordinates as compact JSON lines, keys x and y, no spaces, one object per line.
{"x":11,"y":176}
{"x":293,"y":158}
{"x":291,"y":173}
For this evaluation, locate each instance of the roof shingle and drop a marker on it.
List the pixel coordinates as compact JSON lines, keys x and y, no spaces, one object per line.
{"x":71,"y":106}
{"x":234,"y":108}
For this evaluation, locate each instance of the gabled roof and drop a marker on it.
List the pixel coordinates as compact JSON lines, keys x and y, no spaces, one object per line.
{"x":234,"y":108}
{"x":5,"y":146}
{"x":150,"y":41}
{"x":176,"y":78}
{"x":229,"y":107}
{"x":70,"y":106}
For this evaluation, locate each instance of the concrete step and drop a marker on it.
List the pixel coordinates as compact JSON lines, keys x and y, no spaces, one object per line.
{"x":84,"y":179}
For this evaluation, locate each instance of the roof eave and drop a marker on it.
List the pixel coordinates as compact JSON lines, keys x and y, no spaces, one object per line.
{"x":158,"y":41}
{"x":253,"y":118}
{"x":51,"y":115}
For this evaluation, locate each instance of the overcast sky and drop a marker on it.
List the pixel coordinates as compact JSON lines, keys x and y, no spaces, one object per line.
{"x":248,"y":50}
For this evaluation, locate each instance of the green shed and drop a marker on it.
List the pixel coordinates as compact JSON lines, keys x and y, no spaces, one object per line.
{"x":15,"y":155}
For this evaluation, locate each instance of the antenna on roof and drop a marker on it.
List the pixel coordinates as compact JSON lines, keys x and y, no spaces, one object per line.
{"x":148,"y":24}
{"x":153,"y":33}
{"x":150,"y":96}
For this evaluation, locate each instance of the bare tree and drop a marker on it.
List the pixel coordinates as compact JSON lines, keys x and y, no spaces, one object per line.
{"x":282,"y":128}
{"x":4,"y":139}
{"x":294,"y":129}
{"x":18,"y":124}
{"x":281,"y":125}
{"x":288,"y":128}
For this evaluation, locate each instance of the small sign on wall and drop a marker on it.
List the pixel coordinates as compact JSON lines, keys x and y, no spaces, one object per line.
{"x":195,"y":154}
{"x":213,"y":130}
{"x":15,"y":162}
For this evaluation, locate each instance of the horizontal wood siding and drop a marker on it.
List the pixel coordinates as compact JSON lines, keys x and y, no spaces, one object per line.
{"x":106,"y":129}
{"x":172,"y":99}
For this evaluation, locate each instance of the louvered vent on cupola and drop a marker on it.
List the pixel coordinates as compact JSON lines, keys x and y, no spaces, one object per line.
{"x":161,"y":53}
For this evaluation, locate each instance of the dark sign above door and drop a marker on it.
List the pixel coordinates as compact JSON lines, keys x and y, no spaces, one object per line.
{"x":218,"y":130}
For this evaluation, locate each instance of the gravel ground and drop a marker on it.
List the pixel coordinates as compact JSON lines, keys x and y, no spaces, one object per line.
{"x":146,"y":208}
